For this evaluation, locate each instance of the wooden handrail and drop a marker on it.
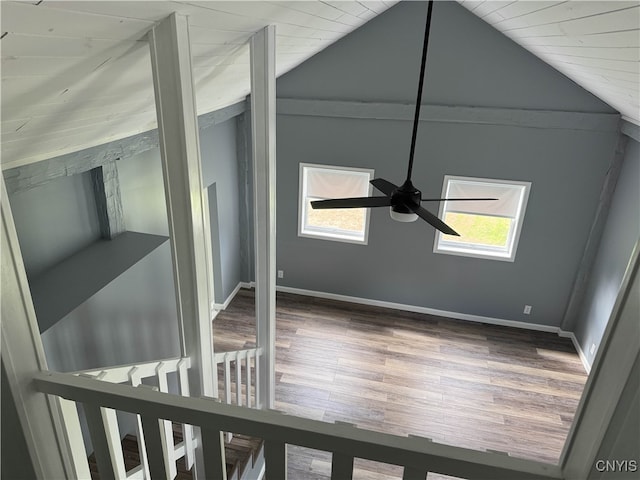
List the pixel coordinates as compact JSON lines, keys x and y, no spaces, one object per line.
{"x":276,"y":428}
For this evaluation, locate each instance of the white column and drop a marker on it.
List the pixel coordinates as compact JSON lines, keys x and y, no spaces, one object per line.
{"x":180,"y":153}
{"x":181,"y":170}
{"x":263,"y":138}
{"x":23,"y":356}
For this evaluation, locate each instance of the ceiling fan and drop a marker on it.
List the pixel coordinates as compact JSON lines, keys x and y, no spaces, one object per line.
{"x":404,"y":200}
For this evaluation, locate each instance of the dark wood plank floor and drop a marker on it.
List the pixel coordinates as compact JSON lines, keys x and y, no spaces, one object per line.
{"x":460,"y":383}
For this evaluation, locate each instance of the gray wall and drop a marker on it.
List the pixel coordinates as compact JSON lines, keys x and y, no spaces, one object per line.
{"x":245,"y":188}
{"x":481,"y":67}
{"x":220,"y":166}
{"x":621,"y":233}
{"x":142,"y":192}
{"x":51,"y":231}
{"x":132,"y":319}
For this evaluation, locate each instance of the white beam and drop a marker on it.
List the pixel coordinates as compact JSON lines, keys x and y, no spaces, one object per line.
{"x":23,"y":357}
{"x":547,"y":119}
{"x":263,"y":138}
{"x":180,"y":154}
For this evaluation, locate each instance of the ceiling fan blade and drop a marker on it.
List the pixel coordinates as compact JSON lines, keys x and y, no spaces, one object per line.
{"x":434,"y":221}
{"x":384,"y":186}
{"x":358,"y":202}
{"x":455,"y":199}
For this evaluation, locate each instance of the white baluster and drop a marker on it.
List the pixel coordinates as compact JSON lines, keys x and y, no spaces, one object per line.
{"x":156,"y":446}
{"x":187,"y":430}
{"x":73,"y":434}
{"x":136,"y":380}
{"x":227,"y":379}
{"x":275,"y":457}
{"x":257,"y":376}
{"x":227,"y":387}
{"x":248,"y":378}
{"x":105,"y":436}
{"x":238,"y":360}
{"x":214,"y":457}
{"x":161,"y":373}
{"x":342,"y":464}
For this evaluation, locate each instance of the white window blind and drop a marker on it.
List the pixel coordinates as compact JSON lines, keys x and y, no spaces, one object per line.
{"x":325,"y":183}
{"x":506,"y":205}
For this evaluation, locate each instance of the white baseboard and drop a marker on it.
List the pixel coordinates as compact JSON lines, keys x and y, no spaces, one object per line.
{"x":217,"y":307}
{"x":417,"y":309}
{"x":574,"y":340}
{"x":432,"y":311}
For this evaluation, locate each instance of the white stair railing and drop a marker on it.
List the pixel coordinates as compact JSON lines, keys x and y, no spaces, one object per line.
{"x":417,"y":456}
{"x":133,"y":375}
{"x":245,"y":366}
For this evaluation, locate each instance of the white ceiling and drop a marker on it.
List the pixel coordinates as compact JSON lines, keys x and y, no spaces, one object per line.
{"x":595,"y":43}
{"x":77,"y":73}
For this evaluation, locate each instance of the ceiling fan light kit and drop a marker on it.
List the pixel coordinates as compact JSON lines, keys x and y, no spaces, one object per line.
{"x":404,"y":201}
{"x":402,"y":217}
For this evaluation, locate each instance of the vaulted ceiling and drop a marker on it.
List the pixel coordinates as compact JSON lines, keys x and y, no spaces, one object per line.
{"x":77,"y":73}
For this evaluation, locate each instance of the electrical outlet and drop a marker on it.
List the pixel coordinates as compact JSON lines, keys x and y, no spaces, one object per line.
{"x":592,"y":349}
{"x":527,"y":309}
{"x":280,"y":273}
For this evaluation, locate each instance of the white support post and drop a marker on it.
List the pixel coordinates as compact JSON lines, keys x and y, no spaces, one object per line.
{"x":210,"y":277}
{"x":180,"y":153}
{"x":182,"y":173}
{"x":23,"y":357}
{"x":263,"y":138}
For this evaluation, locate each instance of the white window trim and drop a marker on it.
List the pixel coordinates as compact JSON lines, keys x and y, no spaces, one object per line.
{"x":501,"y":254}
{"x":336,"y":235}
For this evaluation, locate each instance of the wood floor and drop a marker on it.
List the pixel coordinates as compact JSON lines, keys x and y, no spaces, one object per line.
{"x":460,"y":383}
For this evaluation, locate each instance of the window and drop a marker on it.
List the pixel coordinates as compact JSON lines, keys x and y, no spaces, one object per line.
{"x":321,"y":182}
{"x":488,"y":229}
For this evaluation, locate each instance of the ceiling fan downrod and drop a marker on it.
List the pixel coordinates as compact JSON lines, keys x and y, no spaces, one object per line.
{"x":416,"y":117}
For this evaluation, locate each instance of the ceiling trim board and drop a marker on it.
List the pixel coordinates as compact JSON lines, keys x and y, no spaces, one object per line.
{"x":607,"y":122}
